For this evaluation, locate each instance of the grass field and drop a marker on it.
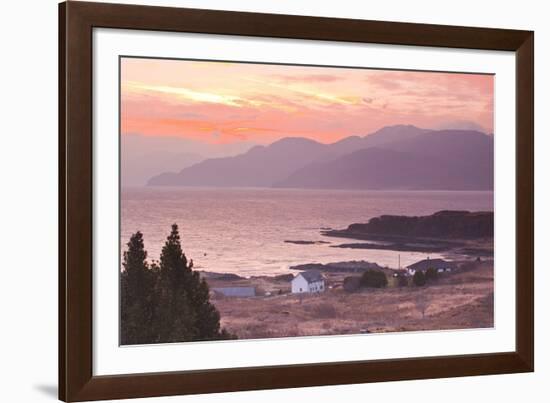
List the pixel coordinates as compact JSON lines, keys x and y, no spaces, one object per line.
{"x":463,"y":299}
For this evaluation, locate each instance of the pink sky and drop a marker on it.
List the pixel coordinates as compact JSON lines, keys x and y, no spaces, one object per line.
{"x":219,"y":102}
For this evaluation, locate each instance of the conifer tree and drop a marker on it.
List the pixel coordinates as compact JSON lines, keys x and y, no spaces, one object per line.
{"x":165,"y":301}
{"x":176,"y":318}
{"x":208,"y":323}
{"x":136,"y":292}
{"x":184,"y":303}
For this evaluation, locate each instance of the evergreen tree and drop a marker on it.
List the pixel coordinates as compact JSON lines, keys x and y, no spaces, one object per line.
{"x":176,"y":318}
{"x":184,"y":303}
{"x":136,"y":292}
{"x":166,"y":301}
{"x":208,"y":323}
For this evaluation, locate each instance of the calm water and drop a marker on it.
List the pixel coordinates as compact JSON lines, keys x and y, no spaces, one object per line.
{"x":243,"y":230}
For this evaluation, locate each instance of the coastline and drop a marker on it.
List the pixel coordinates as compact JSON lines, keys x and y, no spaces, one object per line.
{"x":462,"y":299}
{"x":454,"y":233}
{"x":458,"y":295}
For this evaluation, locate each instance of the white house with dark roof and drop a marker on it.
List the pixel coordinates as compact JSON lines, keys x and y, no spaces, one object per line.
{"x":310,"y":281}
{"x":440,"y":265}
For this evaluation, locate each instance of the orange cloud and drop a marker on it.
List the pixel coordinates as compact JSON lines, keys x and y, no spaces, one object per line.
{"x":228,"y":102}
{"x":312,"y":78}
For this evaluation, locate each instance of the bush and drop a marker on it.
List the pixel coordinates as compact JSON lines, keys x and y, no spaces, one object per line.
{"x":419,"y":279}
{"x":431,"y":274}
{"x":374,"y":279}
{"x":352,"y":284}
{"x":402,"y":281}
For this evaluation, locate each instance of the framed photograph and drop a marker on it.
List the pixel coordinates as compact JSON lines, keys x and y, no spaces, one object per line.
{"x":253,"y":201}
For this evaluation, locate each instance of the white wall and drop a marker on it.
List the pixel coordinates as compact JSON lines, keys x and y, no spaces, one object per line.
{"x":28,"y":158}
{"x":299,"y":284}
{"x":315,"y":287}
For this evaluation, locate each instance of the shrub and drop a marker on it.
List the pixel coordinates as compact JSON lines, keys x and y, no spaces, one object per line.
{"x":374,"y":279}
{"x":431,"y":274}
{"x":419,"y":279}
{"x":402,"y":281}
{"x":352,"y":283}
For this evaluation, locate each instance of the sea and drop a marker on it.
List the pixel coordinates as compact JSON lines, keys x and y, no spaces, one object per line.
{"x":243,"y":230}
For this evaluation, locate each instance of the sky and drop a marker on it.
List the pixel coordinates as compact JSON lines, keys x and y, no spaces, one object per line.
{"x":223,"y":103}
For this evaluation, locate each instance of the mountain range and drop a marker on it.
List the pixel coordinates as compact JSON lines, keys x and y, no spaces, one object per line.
{"x":145,"y":156}
{"x":395,"y":157}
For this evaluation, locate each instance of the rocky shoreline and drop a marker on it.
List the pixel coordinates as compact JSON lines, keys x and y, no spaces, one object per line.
{"x":453,"y":232}
{"x":340,"y":267}
{"x":459,"y":235}
{"x":445,"y":224}
{"x":300,"y":242}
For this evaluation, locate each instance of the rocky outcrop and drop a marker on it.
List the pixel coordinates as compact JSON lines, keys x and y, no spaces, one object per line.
{"x":441,"y":225}
{"x":351,"y":267}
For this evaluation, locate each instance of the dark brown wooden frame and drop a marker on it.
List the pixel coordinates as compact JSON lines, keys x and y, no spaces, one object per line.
{"x":76,"y":22}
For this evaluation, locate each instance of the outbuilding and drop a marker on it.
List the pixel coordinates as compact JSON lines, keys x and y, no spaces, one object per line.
{"x":238,"y":292}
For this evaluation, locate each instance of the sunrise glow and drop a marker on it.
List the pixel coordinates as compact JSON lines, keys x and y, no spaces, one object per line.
{"x":218,"y":102}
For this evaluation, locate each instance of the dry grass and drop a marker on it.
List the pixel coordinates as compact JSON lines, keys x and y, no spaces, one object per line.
{"x":460,"y":300}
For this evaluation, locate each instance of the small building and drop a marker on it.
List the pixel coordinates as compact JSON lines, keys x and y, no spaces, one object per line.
{"x":442,"y":266}
{"x":241,"y":292}
{"x":310,"y":281}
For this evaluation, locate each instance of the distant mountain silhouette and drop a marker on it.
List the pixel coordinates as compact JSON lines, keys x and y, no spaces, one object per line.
{"x":391,"y":134}
{"x":450,"y":160}
{"x":145,"y":156}
{"x":395,"y":157}
{"x":370,"y":168}
{"x":380,"y":138}
{"x":261,"y":166}
{"x":136,"y":169}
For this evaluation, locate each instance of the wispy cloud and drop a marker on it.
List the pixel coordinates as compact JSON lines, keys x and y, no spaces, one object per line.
{"x":307,"y":78}
{"x":312,"y":93}
{"x":228,"y":102}
{"x":191,"y":95}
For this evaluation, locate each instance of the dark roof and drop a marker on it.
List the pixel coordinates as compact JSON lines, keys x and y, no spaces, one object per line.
{"x":431,"y":263}
{"x":312,"y":276}
{"x":236,"y":291}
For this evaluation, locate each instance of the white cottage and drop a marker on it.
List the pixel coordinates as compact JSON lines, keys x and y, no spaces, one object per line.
{"x":310,"y":281}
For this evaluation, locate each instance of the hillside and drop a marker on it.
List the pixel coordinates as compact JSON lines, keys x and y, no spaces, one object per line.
{"x":446,"y":160}
{"x":395,"y":157}
{"x":260,"y":166}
